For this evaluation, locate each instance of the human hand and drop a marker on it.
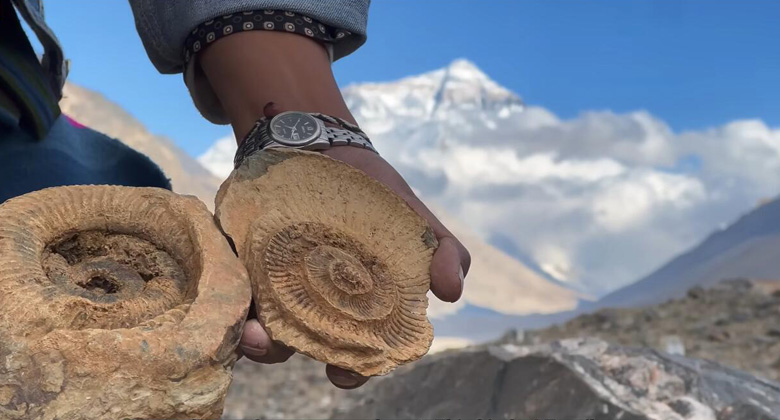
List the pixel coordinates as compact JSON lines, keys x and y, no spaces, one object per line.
{"x":449,"y":265}
{"x":246,"y":71}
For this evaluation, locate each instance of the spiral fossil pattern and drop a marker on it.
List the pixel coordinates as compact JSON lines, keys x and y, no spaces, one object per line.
{"x":115,"y":302}
{"x":339,"y":264}
{"x":118,"y":280}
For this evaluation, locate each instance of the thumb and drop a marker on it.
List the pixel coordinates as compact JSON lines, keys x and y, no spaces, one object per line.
{"x":447,"y":273}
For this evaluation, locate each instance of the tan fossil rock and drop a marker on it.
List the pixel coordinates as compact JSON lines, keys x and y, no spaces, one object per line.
{"x":339,"y":263}
{"x":115,"y":302}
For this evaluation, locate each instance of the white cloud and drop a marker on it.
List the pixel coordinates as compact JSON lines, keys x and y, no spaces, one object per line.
{"x":554,"y":261}
{"x":621,"y":203}
{"x":219,"y":158}
{"x":470,"y":166}
{"x":598,"y":200}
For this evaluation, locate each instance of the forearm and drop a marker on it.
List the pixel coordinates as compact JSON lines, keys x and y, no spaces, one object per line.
{"x":250,"y":69}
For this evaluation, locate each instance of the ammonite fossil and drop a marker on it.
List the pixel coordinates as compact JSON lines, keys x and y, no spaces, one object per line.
{"x":116,"y":302}
{"x":339,"y":263}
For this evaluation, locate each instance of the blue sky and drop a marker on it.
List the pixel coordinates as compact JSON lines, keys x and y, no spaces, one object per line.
{"x":694,"y":64}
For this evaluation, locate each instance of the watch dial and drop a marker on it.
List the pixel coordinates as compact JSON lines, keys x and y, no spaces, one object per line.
{"x":294,"y":128}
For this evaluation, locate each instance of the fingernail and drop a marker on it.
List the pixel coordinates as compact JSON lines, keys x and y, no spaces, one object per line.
{"x":344,"y":381}
{"x":254,"y":351}
{"x":462,"y":278}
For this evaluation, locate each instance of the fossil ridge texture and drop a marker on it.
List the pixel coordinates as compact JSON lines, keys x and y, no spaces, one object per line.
{"x":116,"y":302}
{"x":339,"y":263}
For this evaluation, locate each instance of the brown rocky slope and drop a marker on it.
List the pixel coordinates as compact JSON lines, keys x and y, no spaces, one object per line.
{"x":95,"y":111}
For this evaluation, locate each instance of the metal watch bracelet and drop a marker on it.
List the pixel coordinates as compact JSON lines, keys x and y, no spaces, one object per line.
{"x":350,"y":135}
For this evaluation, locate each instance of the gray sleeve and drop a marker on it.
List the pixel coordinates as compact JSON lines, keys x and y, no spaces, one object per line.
{"x":164,"y":24}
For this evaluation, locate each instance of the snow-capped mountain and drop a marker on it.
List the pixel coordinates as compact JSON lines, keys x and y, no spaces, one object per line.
{"x":457,"y":87}
{"x":460,"y":95}
{"x":412,"y":107}
{"x":432,"y":111}
{"x":593,"y":202}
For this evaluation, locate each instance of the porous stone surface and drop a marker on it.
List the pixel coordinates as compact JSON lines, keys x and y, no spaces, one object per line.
{"x":339,"y":263}
{"x":116,"y":302}
{"x":575,"y":378}
{"x":735,"y":322}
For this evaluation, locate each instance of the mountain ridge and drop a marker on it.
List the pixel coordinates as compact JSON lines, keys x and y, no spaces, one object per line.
{"x":749,"y":247}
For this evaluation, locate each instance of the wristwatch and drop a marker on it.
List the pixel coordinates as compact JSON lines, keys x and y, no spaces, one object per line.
{"x":301,"y":130}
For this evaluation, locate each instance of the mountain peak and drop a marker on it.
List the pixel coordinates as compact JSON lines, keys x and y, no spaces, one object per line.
{"x":459,"y":85}
{"x":464,"y":69}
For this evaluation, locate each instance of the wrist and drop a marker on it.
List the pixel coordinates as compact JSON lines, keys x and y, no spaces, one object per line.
{"x":249,"y":70}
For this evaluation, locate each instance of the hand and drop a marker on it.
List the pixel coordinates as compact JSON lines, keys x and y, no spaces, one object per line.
{"x":249,"y":69}
{"x":450,"y":262}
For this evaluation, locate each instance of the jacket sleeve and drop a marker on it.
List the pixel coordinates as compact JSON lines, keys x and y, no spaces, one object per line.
{"x":163,"y":25}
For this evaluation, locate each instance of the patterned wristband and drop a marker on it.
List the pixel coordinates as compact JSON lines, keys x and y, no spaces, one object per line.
{"x":267,"y":20}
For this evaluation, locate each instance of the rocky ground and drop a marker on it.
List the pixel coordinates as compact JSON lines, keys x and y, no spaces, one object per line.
{"x":734,"y":323}
{"x":296,"y":389}
{"x":579,"y":378}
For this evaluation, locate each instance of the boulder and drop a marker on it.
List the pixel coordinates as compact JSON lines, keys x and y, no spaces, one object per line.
{"x":575,"y":378}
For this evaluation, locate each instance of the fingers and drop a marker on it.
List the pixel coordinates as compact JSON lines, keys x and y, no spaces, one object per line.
{"x":257,"y":346}
{"x":446,"y":271}
{"x":450,"y":262}
{"x":343,"y":378}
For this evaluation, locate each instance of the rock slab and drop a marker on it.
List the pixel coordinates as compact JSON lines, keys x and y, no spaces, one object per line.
{"x":576,"y":378}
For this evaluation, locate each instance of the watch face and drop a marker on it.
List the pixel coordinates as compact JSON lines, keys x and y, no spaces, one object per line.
{"x":294,"y":128}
